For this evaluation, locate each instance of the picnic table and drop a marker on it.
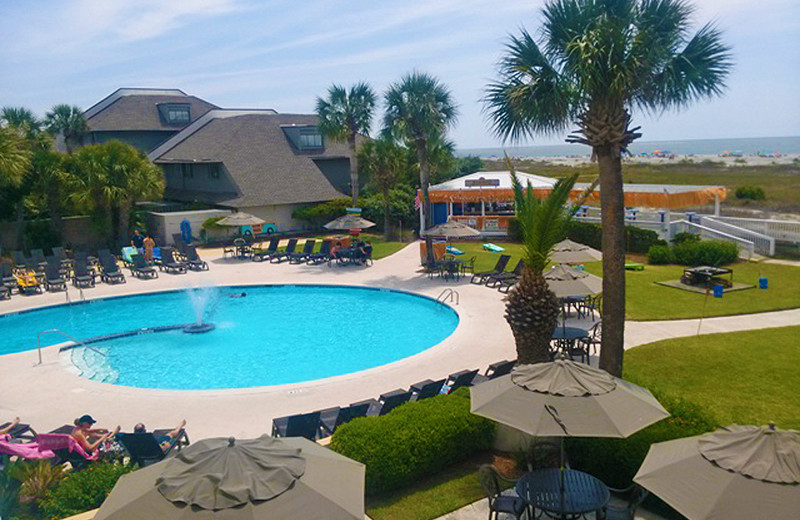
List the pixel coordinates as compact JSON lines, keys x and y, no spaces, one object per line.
{"x":582,"y":493}
{"x":707,"y":276}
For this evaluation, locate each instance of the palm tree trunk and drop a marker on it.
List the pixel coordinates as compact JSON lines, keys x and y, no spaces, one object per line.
{"x":351,"y":141}
{"x":532,"y":313}
{"x":612,"y":204}
{"x":424,"y":177}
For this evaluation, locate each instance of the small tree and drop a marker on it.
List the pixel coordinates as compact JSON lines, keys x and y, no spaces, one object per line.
{"x":383,"y":161}
{"x":69,"y":122}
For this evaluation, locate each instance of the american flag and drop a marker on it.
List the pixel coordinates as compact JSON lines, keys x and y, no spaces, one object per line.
{"x":417,"y":202}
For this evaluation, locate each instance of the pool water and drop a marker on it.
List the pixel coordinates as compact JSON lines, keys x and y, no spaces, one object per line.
{"x":275,"y":335}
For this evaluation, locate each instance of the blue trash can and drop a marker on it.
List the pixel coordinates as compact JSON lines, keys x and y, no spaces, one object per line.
{"x":763,"y":283}
{"x":718,"y":291}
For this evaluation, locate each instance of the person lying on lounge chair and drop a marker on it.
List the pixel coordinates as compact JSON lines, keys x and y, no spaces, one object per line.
{"x":165,"y":441}
{"x":9,"y":426}
{"x":90,"y":439}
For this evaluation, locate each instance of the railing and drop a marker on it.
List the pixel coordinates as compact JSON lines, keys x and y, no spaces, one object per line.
{"x":57,"y":331}
{"x":707,"y":232}
{"x":763,"y":244}
{"x":448,"y":294}
{"x":780,"y":230}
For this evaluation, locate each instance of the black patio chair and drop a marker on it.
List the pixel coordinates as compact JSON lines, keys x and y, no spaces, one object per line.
{"x":302,"y":256}
{"x":109,"y":269}
{"x":459,"y":379}
{"x":495,"y":280}
{"x":332,"y":418}
{"x":169,"y":263}
{"x":193,"y":260}
{"x":322,"y":256}
{"x":143,"y":448}
{"x":303,"y":425}
{"x":286,"y":254}
{"x":481,"y":277}
{"x":261,"y":254}
{"x":140,"y":269}
{"x":82,"y":276}
{"x":54,"y":281}
{"x":624,"y":503}
{"x":507,"y":503}
{"x":426,"y":389}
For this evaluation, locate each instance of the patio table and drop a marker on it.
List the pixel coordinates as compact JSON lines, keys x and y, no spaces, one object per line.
{"x":582,"y":492}
{"x":707,"y":276}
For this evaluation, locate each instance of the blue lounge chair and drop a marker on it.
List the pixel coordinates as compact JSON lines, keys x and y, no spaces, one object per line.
{"x":494,"y":248}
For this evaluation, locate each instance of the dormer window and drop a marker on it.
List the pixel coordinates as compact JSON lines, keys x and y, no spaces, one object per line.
{"x":175,"y":113}
{"x":310,"y":139}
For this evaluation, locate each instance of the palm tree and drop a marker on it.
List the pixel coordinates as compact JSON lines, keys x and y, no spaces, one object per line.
{"x":48,"y":178}
{"x":531,"y":307}
{"x":343,"y":116}
{"x":597,"y":60}
{"x":383,"y":162}
{"x":15,"y":157}
{"x":68,"y":121}
{"x":419,"y":110}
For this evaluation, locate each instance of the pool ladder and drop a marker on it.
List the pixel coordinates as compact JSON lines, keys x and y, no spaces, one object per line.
{"x":448,"y":295}
{"x":80,"y":293}
{"x":57,"y":331}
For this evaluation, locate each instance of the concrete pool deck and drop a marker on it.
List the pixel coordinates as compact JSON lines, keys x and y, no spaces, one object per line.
{"x":49,"y":395}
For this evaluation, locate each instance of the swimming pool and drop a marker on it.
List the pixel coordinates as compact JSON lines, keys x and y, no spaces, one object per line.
{"x":274,"y":335}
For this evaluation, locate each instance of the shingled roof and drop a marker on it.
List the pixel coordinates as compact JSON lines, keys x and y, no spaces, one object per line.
{"x":137,"y":109}
{"x":257,"y":154}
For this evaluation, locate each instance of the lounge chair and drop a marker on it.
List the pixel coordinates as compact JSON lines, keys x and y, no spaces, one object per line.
{"x":177,"y":240}
{"x":144,"y":448}
{"x":286,"y":254}
{"x":5,"y":292}
{"x":20,"y":431}
{"x":459,"y":379}
{"x":193,"y":260}
{"x":387,"y":402}
{"x":260,"y":254}
{"x":494,"y":371}
{"x":169,"y":264}
{"x":323,"y":255}
{"x":7,"y":277}
{"x":506,"y":284}
{"x":332,"y":418}
{"x":27,"y":282}
{"x":140,"y":269}
{"x":20,"y":260}
{"x":82,"y":276}
{"x":426,"y":389}
{"x":495,"y":280}
{"x":66,"y":448}
{"x":37,"y":255}
{"x":306,"y":425}
{"x":53,"y":280}
{"x":110,"y":271}
{"x":499,"y":267}
{"x":308,"y":248}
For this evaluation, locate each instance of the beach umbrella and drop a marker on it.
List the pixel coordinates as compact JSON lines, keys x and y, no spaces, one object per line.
{"x":349,"y":222}
{"x":240,"y":218}
{"x":227,"y":479}
{"x":569,"y":252}
{"x":566,"y":282}
{"x":452,"y":229}
{"x":735,"y":473}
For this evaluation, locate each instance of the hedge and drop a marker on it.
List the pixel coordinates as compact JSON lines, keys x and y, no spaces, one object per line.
{"x":660,"y":255}
{"x":750,"y":193}
{"x":82,"y":490}
{"x":416,"y":439}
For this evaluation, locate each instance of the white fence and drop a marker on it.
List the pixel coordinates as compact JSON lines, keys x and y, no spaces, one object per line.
{"x":763,"y":244}
{"x":780,"y":230}
{"x":684,"y":226}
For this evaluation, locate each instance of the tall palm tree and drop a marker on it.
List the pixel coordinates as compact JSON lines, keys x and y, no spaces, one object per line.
{"x":68,"y":121}
{"x":598,"y":59}
{"x":345,"y":114}
{"x":419,"y":109}
{"x":383,"y":162}
{"x":531,"y":307}
{"x":15,"y":157}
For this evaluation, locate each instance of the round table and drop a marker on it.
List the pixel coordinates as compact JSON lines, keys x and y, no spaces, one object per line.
{"x":583,"y":493}
{"x":569,"y":333}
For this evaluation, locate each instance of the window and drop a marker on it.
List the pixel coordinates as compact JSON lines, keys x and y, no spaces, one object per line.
{"x":310,"y":140}
{"x":175,"y":113}
{"x":213,"y":171}
{"x":178,"y":115}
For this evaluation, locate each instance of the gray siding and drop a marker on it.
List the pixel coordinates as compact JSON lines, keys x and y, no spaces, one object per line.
{"x":144,"y":140}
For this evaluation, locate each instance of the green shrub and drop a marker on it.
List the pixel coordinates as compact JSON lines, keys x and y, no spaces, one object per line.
{"x":585,"y":233}
{"x":708,"y":252}
{"x":660,"y":255}
{"x":514,"y":230}
{"x":40,"y":234}
{"x":9,"y":489}
{"x":211,"y":223}
{"x":82,"y":490}
{"x":416,"y":439}
{"x":750,"y":193}
{"x":615,"y":461}
{"x":638,"y":240}
{"x":680,"y":238}
{"x":318,"y":214}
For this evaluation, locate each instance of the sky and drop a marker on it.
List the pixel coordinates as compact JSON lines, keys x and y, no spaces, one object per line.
{"x":283,"y":54}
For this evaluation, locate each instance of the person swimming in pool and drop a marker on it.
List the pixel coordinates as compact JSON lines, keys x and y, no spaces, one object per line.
{"x":240,"y":295}
{"x":165,"y":441}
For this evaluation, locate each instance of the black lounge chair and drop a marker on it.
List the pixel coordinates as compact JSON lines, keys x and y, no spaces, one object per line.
{"x":193,"y":260}
{"x":61,"y":255}
{"x":169,"y":263}
{"x":7,"y":276}
{"x":260,"y":254}
{"x":323,"y":255}
{"x":37,"y":255}
{"x":110,"y":271}
{"x":481,"y":277}
{"x":53,"y":280}
{"x":332,"y":418}
{"x":20,"y":431}
{"x":306,"y":425}
{"x":459,"y":379}
{"x":177,"y":240}
{"x":506,"y":284}
{"x":426,"y":389}
{"x":19,"y":258}
{"x":494,"y":371}
{"x":387,"y":402}
{"x":5,"y":292}
{"x":143,"y":448}
{"x":82,"y":276}
{"x":308,"y":248}
{"x":496,"y":279}
{"x":286,"y":254}
{"x":140,"y":269}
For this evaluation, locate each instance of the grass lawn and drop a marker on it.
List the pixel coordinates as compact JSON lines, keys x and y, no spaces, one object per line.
{"x":746,"y":377}
{"x":647,"y":300}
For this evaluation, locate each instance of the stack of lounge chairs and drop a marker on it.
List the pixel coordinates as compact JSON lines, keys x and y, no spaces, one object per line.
{"x":498,"y":277}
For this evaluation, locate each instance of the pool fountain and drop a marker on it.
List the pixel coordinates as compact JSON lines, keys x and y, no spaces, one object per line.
{"x":204,"y":301}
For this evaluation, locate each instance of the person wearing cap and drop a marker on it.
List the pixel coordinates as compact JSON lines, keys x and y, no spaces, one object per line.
{"x":83,"y":433}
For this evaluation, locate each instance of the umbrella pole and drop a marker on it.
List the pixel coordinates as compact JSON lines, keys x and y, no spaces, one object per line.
{"x":561,"y":472}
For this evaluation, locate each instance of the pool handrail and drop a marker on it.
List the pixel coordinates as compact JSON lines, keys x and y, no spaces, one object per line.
{"x":54,"y":331}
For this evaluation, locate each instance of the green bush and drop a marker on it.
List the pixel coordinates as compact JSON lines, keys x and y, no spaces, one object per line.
{"x":40,"y":234}
{"x":709,"y":252}
{"x":82,"y":490}
{"x":318,"y":214}
{"x":637,"y":240}
{"x":585,"y":233}
{"x":680,"y":238}
{"x":414,"y":440}
{"x":615,"y":461}
{"x":660,"y":255}
{"x":750,"y":193}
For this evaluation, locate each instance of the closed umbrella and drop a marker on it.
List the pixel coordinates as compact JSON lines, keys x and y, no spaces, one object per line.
{"x":567,"y":282}
{"x":734,"y":473}
{"x":226,"y":479}
{"x":569,"y":252}
{"x":240,"y":218}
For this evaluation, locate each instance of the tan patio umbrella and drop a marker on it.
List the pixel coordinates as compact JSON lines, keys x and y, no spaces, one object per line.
{"x":349,"y":221}
{"x":240,"y":218}
{"x":734,"y":473}
{"x":452,"y":229}
{"x":226,"y":479}
{"x":569,"y":252}
{"x":565,"y":281}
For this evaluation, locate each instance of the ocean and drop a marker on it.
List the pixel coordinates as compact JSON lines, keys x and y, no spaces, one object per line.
{"x":747,"y":146}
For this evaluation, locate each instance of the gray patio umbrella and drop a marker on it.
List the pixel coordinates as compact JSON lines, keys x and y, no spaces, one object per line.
{"x":452,"y":229}
{"x":569,"y":252}
{"x":348,"y":222}
{"x":735,"y":473}
{"x":240,"y":219}
{"x":565,"y":282}
{"x":259,"y":479}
